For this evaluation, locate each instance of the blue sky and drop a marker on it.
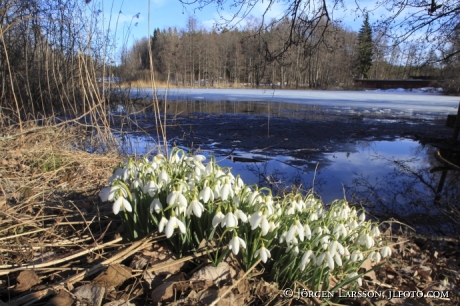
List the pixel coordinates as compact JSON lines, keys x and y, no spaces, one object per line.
{"x":132,"y":15}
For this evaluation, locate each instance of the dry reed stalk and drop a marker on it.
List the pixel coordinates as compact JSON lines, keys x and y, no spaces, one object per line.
{"x":52,"y":289}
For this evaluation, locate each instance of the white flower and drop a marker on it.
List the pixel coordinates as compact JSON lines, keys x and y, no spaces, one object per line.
{"x":358,"y":280}
{"x":162,"y":224}
{"x":176,"y":197}
{"x":164,"y":178}
{"x":338,"y":259}
{"x":119,"y":174}
{"x":296,"y":229}
{"x":362,"y":217}
{"x":375,"y":231}
{"x":320,"y":259}
{"x":259,"y":219}
{"x":230,"y":220}
{"x":206,"y":194}
{"x":121,"y":203}
{"x":307,"y":231}
{"x":174,"y":223}
{"x":385,"y":251}
{"x":226,"y":191}
{"x":356,"y":255}
{"x":375,"y":256}
{"x":108,"y":193}
{"x":306,"y":258}
{"x":151,"y":188}
{"x":156,"y":206}
{"x":137,"y":183}
{"x":264,"y":253}
{"x":217,"y":218}
{"x":196,"y":207}
{"x":330,"y":261}
{"x":241,"y":215}
{"x":235,"y":244}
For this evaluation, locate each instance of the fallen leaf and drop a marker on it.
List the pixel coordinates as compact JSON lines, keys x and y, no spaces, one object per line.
{"x":90,"y":293}
{"x":367,"y":265}
{"x":222,"y":272}
{"x":115,"y":275}
{"x":62,"y":299}
{"x":163,"y":292}
{"x":26,"y":280}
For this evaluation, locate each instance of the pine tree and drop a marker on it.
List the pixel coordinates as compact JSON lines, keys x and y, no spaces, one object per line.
{"x":365,"y":49}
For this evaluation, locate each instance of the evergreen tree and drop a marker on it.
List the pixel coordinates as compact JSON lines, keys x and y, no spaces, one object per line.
{"x":365,"y":49}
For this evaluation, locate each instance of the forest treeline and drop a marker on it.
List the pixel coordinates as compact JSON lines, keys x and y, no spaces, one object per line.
{"x":53,"y":54}
{"x":330,"y":58}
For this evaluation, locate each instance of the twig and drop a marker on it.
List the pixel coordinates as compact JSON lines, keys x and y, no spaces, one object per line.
{"x":52,"y":289}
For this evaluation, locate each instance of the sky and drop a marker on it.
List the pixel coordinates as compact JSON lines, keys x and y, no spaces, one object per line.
{"x":130,"y":17}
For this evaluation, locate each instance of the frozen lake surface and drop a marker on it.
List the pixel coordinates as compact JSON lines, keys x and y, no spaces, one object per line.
{"x":430,"y":103}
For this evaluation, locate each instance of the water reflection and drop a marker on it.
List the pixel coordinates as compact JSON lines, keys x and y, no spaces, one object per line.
{"x":388,"y":178}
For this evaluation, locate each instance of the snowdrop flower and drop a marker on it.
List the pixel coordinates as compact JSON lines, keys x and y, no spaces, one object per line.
{"x":356,"y":255}
{"x":333,"y":247}
{"x":375,"y":256}
{"x":119,"y":174}
{"x":338,"y":259}
{"x":296,"y":229}
{"x":162,"y":224}
{"x":156,"y":206}
{"x":137,"y":183}
{"x":307,"y":231}
{"x":272,"y":226}
{"x":196,"y":207}
{"x":340,"y":230}
{"x":235,"y":244}
{"x":255,"y":198}
{"x":290,"y":210}
{"x":226,"y":191}
{"x":330,"y":261}
{"x":264,"y":253}
{"x":239,"y":184}
{"x":151,"y":188}
{"x":365,"y":239}
{"x":163,"y":178}
{"x":293,"y":245}
{"x":209,"y":169}
{"x":176,"y":197}
{"x":362,"y":217}
{"x":375,"y":231}
{"x":230,"y":220}
{"x":217,"y":218}
{"x":108,"y":193}
{"x":358,"y":280}
{"x":174,"y":223}
{"x":306,"y":258}
{"x":241,"y":215}
{"x":385,"y":251}
{"x":320,"y":259}
{"x":206,"y":194}
{"x":121,"y":204}
{"x":259,"y":219}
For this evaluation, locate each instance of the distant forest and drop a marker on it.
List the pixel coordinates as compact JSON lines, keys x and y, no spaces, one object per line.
{"x":195,"y":56}
{"x":53,"y":55}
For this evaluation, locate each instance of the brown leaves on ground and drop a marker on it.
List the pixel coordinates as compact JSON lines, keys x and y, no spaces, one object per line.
{"x":26,"y":280}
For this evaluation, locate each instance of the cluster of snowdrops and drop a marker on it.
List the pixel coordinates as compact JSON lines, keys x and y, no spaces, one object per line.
{"x":296,"y":238}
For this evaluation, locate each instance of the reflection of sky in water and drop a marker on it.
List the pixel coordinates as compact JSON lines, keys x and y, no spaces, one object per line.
{"x":370,"y":160}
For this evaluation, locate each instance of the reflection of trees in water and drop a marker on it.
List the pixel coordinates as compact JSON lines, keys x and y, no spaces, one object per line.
{"x":408,"y":193}
{"x":282,"y":181}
